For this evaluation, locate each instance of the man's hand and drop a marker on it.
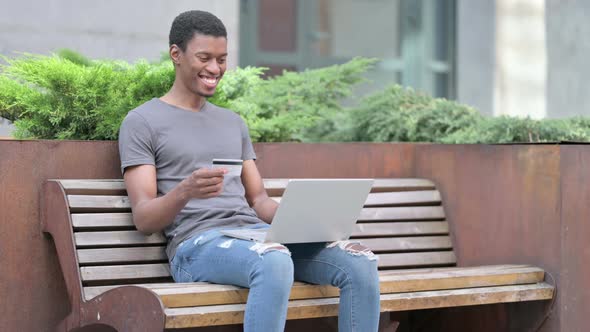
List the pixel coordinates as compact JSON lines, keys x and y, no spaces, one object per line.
{"x":203,"y":183}
{"x":152,"y":213}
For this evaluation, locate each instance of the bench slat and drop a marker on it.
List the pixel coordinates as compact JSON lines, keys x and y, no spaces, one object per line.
{"x":412,"y":198}
{"x":367,"y":214}
{"x":122,"y":255}
{"x":117,"y":238}
{"x":131,"y":238}
{"x":139,"y":271}
{"x":401,"y":228}
{"x":417,"y":259}
{"x":134,"y":238}
{"x":202,"y":293}
{"x":408,"y":243}
{"x":274,"y":186}
{"x":402,"y":213}
{"x":91,"y":203}
{"x":150,"y":254}
{"x":117,"y":185}
{"x":81,"y":203}
{"x":423,"y":197}
{"x":313,"y":308}
{"x":124,"y":272}
{"x":83,"y":221}
{"x":94,"y":187}
{"x":466,"y":297}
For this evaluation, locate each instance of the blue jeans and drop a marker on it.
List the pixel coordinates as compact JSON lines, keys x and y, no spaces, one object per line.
{"x":269,"y":270}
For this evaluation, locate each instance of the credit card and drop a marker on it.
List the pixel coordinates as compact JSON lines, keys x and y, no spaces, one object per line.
{"x":233,"y":166}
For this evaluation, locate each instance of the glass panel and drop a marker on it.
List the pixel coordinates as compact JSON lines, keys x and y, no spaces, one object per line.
{"x":413,"y":38}
{"x":412,"y":42}
{"x":342,"y":29}
{"x":441,"y":85}
{"x":277,"y":28}
{"x":442,"y":23}
{"x":349,"y":28}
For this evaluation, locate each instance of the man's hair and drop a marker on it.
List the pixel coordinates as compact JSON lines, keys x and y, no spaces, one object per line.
{"x":188,"y":23}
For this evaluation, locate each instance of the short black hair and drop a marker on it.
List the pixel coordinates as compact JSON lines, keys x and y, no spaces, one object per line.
{"x":188,"y":23}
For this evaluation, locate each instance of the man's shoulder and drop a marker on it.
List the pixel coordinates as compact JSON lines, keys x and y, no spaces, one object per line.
{"x":149,"y":112}
{"x":224,"y":112}
{"x":146,"y":108}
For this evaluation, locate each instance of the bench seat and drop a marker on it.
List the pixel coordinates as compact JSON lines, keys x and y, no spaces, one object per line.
{"x":205,"y":304}
{"x":107,"y":264}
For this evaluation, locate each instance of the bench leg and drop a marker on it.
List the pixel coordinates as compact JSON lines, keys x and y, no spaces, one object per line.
{"x":68,"y":323}
{"x":387,"y":324}
{"x":127,"y":308}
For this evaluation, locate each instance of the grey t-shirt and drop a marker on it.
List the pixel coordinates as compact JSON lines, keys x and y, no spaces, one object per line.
{"x":177,"y":142}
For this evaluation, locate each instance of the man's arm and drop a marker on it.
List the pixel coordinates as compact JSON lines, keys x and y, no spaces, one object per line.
{"x":152,"y":214}
{"x":256,"y":195}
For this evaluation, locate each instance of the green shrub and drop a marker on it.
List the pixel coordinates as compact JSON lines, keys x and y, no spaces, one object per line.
{"x":399,"y":114}
{"x":67,"y":96}
{"x":74,"y":57}
{"x":53,"y":97}
{"x":506,"y":129}
{"x":283,"y":108}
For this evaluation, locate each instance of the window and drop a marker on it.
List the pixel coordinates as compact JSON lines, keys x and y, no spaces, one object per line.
{"x":413,"y":38}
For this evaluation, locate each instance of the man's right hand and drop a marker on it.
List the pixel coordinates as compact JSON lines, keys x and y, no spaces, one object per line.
{"x":204,"y":183}
{"x":152,"y":213}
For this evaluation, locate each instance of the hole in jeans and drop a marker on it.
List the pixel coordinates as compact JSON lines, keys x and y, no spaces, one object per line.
{"x":263,"y":248}
{"x":354,"y":248}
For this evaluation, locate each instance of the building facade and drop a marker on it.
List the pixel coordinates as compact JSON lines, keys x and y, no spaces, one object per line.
{"x":512,"y":57}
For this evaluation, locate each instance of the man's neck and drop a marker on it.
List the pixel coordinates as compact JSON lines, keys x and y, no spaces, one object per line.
{"x":183,"y":98}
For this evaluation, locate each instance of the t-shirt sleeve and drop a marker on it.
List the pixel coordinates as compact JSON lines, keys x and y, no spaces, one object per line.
{"x":247,"y":148}
{"x":135,"y":142}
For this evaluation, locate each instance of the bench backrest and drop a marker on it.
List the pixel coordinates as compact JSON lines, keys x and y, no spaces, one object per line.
{"x":403,"y":222}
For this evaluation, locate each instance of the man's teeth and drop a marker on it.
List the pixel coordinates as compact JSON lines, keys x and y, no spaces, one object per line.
{"x":210,"y":80}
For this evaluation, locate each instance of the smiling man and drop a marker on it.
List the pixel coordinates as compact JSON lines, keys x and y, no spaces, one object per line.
{"x":167,"y":146}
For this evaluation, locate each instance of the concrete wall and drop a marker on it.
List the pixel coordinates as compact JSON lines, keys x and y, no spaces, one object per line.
{"x":476,"y":54}
{"x":568,"y":52}
{"x":544,"y":73}
{"x":128,"y":30}
{"x":521,"y":59}
{"x":135,"y":29}
{"x":6,"y":128}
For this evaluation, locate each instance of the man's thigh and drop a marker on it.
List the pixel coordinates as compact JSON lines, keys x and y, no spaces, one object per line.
{"x":324,"y":263}
{"x":214,"y":257}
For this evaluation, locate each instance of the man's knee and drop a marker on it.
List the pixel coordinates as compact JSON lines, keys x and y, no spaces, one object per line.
{"x":361,"y":268}
{"x":275,"y":264}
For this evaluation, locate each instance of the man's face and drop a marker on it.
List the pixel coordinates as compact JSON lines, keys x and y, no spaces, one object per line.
{"x":203,"y":63}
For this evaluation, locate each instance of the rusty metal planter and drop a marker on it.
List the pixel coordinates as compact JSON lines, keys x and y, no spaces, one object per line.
{"x":505,"y":203}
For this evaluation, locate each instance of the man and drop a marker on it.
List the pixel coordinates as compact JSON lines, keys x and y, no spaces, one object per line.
{"x":167,"y":146}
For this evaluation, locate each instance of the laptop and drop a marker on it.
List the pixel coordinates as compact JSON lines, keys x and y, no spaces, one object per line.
{"x":313,"y":210}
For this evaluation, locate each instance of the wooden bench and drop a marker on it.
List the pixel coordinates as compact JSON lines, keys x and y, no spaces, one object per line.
{"x":119,"y":277}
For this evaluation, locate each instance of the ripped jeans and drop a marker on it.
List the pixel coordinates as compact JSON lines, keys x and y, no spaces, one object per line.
{"x":269,"y":270}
